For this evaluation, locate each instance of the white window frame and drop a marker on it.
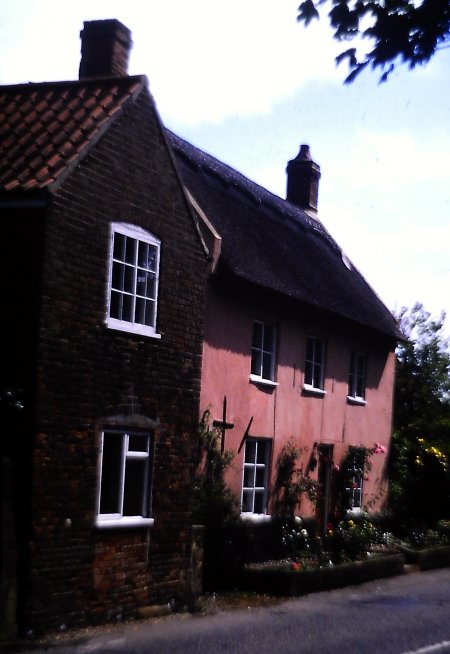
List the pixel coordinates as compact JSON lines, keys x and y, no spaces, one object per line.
{"x":117,"y":518}
{"x":357,"y":378}
{"x":132,"y":294}
{"x":314,"y":361}
{"x":249,"y":472}
{"x":260,"y":353}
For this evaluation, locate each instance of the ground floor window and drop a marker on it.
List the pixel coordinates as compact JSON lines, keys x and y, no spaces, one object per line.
{"x":125,"y":477}
{"x":355,"y":477}
{"x":256,"y":475}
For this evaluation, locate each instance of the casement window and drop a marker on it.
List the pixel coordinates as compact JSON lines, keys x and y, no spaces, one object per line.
{"x":256,"y":475}
{"x":357,"y":378}
{"x":314,"y":364}
{"x":355,"y":479}
{"x":133,"y":280}
{"x":263,"y":352}
{"x":125,"y":478}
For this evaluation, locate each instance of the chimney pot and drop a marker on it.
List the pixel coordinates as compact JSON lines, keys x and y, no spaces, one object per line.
{"x":105,"y":49}
{"x":303,"y":176}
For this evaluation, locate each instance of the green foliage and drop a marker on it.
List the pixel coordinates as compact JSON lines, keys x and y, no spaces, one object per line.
{"x":291,"y":482}
{"x":351,"y":539}
{"x":214,"y":503}
{"x":420,"y":452}
{"x":398,"y":31}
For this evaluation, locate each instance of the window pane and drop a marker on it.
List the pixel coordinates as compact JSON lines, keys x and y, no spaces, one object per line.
{"x":119,"y":247}
{"x":115,"y":310}
{"x":249,"y":477}
{"x":247,"y":500}
{"x":138,"y":443}
{"x":260,"y":477}
{"x":150,"y":313}
{"x":127,"y":308}
{"x":118,"y":275}
{"x":259,"y":502}
{"x":268,"y":338}
{"x":256,"y":362}
{"x":308,"y":373}
{"x":147,"y":256}
{"x":267,"y":366}
{"x":250,"y":451}
{"x":262,"y":449}
{"x":128,"y":281}
{"x":130,"y":250}
{"x":146,"y":284}
{"x":135,"y":487}
{"x":317,"y":380}
{"x":111,"y":473}
{"x":257,"y":334}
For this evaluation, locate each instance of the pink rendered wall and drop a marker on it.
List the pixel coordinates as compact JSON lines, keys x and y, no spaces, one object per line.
{"x":285,"y":412}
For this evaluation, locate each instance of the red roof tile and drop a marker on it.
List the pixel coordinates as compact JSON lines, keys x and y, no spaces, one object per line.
{"x":45,"y":127}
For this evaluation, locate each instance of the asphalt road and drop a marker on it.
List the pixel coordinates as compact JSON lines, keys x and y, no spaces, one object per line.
{"x":407,"y":614}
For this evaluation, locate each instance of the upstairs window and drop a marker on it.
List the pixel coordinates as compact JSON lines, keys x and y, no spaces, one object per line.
{"x":256,"y":475}
{"x":357,"y":377}
{"x":263,"y":352}
{"x":125,"y":479}
{"x":133,"y":280}
{"x":314,"y":364}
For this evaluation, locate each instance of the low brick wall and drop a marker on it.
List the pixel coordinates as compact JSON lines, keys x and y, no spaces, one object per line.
{"x":285,"y":582}
{"x":429,"y":558}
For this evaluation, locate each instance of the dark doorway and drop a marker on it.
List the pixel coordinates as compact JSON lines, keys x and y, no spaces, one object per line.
{"x":325,"y":453}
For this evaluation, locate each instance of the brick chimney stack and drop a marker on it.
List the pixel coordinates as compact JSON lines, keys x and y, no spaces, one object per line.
{"x":303,"y":181}
{"x":105,"y":49}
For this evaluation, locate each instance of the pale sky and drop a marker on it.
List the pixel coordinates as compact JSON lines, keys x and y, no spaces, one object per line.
{"x":245,"y":82}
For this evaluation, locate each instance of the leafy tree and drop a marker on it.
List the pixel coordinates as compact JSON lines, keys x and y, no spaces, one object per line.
{"x":400,"y":31}
{"x":420,"y":454}
{"x":214,"y":503}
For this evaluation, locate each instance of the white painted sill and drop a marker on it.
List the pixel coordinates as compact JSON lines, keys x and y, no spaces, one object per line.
{"x":255,"y":517}
{"x":312,"y":390}
{"x":255,"y":379}
{"x":356,"y":400}
{"x":131,"y":328}
{"x":124,"y":523}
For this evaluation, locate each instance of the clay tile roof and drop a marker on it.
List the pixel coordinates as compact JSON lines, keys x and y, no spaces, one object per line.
{"x":45,"y":128}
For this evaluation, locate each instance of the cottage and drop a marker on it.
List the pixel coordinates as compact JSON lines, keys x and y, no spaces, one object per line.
{"x":144,"y":281}
{"x":298,"y":348}
{"x":102,"y":285}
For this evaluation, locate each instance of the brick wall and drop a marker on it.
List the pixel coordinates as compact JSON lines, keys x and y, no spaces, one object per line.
{"x":79,"y":574}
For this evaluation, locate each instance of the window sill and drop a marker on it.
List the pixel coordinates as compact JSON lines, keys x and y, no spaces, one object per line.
{"x":130,"y":328}
{"x":356,"y":400}
{"x":312,"y":390}
{"x":254,"y":517}
{"x":124,"y":523}
{"x":263,"y":382}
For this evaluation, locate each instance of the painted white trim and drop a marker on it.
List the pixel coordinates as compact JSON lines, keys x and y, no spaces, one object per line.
{"x":256,"y":379}
{"x":104,"y":522}
{"x":138,"y":234}
{"x":247,"y":516}
{"x":356,"y":400}
{"x":308,"y":388}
